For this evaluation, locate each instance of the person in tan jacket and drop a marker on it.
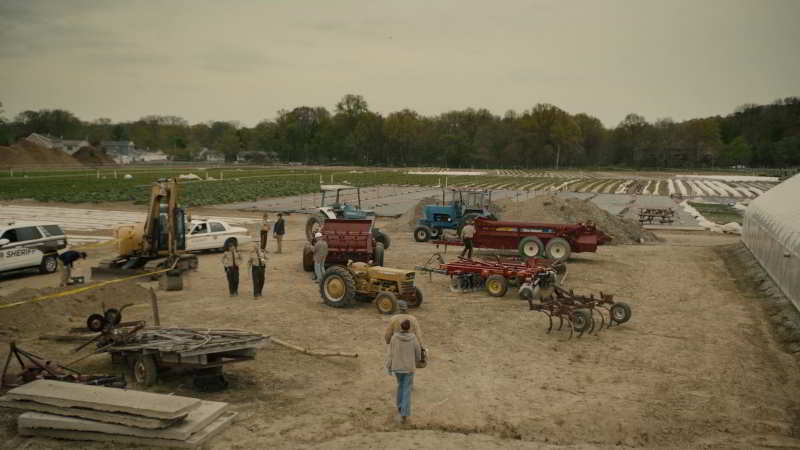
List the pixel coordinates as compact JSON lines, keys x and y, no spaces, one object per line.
{"x":467,"y":233}
{"x":401,"y":361}
{"x":231,"y":261}
{"x":394,"y":323}
{"x":258,"y":267}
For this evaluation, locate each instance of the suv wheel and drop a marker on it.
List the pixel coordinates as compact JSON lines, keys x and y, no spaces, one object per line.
{"x":49,"y":264}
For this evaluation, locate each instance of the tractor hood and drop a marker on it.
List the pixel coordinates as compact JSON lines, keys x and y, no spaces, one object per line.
{"x":387,"y":272}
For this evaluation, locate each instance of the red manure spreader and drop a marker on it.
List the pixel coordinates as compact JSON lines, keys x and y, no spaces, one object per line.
{"x":532,"y":239}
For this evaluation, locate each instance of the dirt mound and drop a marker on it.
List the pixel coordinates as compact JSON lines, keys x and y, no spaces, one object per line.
{"x":92,"y":156}
{"x":408,"y":220}
{"x":25,"y":153}
{"x":554,"y":209}
{"x":57,"y":315}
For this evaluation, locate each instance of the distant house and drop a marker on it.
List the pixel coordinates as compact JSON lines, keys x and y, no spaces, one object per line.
{"x":150,"y":156}
{"x":72,"y":146}
{"x":256,"y":156}
{"x":122,"y":152}
{"x":42,"y":140}
{"x":210,"y":156}
{"x":66,"y":145}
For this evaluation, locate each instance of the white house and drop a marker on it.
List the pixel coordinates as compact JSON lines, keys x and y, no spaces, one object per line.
{"x":210,"y":156}
{"x":148,"y":156}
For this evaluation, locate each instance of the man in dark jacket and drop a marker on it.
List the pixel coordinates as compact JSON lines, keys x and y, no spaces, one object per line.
{"x":67,"y":259}
{"x":278,"y":231}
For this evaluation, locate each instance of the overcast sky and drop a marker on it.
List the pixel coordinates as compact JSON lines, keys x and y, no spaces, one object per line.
{"x":244,"y":60}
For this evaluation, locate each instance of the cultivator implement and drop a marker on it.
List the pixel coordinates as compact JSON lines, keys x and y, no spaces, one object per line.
{"x":578,"y":312}
{"x":467,"y":275}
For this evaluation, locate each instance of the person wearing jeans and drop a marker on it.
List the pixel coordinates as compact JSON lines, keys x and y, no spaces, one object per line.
{"x":320,"y":253}
{"x":401,"y":361}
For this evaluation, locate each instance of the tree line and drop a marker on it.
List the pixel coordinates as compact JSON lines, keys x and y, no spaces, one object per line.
{"x":544,"y":136}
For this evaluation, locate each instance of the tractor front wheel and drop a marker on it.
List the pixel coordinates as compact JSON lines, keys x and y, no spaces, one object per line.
{"x":386,"y":302}
{"x":337,"y":287}
{"x":422,"y":234}
{"x":417,"y":298}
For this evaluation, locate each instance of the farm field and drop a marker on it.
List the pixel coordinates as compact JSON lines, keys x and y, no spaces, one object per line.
{"x":696,"y":367}
{"x":219,"y":186}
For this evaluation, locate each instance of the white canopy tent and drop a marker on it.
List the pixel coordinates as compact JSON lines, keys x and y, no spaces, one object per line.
{"x":772,"y":233}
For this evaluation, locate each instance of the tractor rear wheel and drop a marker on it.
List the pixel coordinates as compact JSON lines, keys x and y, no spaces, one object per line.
{"x":558,"y":249}
{"x":308,"y":258}
{"x":417,"y":299}
{"x":386,"y":302}
{"x":620,"y":312}
{"x":313,"y":225}
{"x":377,"y":257}
{"x":496,"y":285}
{"x":530,"y":247}
{"x":337,"y":287}
{"x":422,"y":234}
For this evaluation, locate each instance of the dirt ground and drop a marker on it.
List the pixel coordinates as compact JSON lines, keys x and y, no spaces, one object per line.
{"x":696,"y":367}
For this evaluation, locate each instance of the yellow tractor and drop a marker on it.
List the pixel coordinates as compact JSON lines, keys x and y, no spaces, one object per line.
{"x":341,"y":286}
{"x":157,"y":243}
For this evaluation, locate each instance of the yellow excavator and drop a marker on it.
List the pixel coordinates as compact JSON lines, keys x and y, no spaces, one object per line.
{"x":158,"y":243}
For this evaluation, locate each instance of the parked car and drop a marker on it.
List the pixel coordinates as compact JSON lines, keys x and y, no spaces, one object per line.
{"x":214,"y":235}
{"x":28,"y":245}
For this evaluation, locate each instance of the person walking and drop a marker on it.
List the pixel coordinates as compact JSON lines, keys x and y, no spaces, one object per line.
{"x":278,"y":231}
{"x":320,"y":253}
{"x":401,"y":361}
{"x":397,"y":319}
{"x":230,"y":260}
{"x":265,"y":226}
{"x":67,"y":259}
{"x":467,"y":233}
{"x":258,"y":267}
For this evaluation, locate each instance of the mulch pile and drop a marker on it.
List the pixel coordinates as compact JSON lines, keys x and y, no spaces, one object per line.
{"x":554,"y":209}
{"x":26,"y":153}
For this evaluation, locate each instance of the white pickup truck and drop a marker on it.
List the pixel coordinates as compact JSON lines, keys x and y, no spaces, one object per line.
{"x":214,"y":235}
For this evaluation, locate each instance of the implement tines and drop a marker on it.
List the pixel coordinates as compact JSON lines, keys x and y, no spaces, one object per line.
{"x":579,"y":311}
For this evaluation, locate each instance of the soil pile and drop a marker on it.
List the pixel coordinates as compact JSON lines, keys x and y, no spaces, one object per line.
{"x":554,"y":209}
{"x":92,"y":156}
{"x":26,"y":153}
{"x":57,"y":315}
{"x":408,"y":221}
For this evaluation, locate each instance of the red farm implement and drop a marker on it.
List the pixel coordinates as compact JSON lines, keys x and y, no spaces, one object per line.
{"x":348,"y":240}
{"x":496,"y":276}
{"x":530,"y":239}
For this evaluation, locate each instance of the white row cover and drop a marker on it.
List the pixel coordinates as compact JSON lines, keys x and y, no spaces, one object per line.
{"x":772,"y":233}
{"x":730,"y":178}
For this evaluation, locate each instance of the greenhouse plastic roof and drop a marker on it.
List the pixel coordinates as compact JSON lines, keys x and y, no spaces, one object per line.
{"x":779,"y":211}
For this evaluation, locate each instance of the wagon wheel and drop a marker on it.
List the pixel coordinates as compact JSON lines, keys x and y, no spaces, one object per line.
{"x":386,"y":302}
{"x":113,"y":316}
{"x":496,"y":285}
{"x":145,"y":371}
{"x":620,"y":313}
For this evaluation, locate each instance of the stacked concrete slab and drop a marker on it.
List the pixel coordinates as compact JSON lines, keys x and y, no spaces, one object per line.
{"x":94,"y":413}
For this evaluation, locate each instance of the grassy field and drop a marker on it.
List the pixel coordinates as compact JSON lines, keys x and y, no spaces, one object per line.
{"x":718,"y":213}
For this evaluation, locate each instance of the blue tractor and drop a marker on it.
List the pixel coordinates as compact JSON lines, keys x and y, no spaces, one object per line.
{"x":464,"y":205}
{"x":335,"y":204}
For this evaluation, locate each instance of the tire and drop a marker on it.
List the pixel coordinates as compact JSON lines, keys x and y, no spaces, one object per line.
{"x":377,"y":255}
{"x":530,"y":247}
{"x":386,"y":302}
{"x":49,"y":264}
{"x":145,"y":371}
{"x":313,"y":224}
{"x":337,"y":287}
{"x":417,"y":298}
{"x":582,"y":320}
{"x":528,"y":293}
{"x":422,"y":234}
{"x":620,"y":312}
{"x":383,"y":238}
{"x":113,"y":316}
{"x":308,"y":258}
{"x":229,"y":242}
{"x":436,"y":233}
{"x":496,"y":285}
{"x":558,"y":249}
{"x":96,"y":322}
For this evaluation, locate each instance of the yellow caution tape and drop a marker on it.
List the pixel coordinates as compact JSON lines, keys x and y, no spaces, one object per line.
{"x":82,"y":289}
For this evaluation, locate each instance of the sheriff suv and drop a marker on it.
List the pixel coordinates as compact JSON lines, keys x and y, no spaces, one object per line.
{"x":27,"y":245}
